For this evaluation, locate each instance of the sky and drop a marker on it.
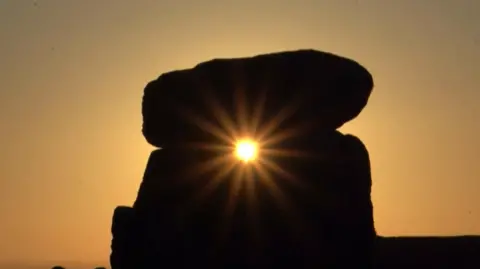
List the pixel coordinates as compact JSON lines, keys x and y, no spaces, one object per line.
{"x":72,"y":75}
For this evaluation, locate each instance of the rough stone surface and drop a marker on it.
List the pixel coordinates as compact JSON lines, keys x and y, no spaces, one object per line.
{"x":322,"y":89}
{"x":325,"y":217}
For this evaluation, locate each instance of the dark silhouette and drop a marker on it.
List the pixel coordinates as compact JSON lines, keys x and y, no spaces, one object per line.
{"x":61,"y":267}
{"x":323,"y":216}
{"x":316,"y":88}
{"x":315,"y":210}
{"x":320,"y":221}
{"x":462,"y":252}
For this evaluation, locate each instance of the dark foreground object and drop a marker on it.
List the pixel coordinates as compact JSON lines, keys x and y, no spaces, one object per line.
{"x":319,"y":88}
{"x":315,"y":211}
{"x":321,"y":216}
{"x":312,"y":211}
{"x":459,"y":252}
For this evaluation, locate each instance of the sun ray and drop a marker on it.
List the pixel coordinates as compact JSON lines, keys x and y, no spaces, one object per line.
{"x":266,"y":152}
{"x":209,"y":147}
{"x":240,"y":104}
{"x":258,"y":109}
{"x":294,"y":219}
{"x":205,"y":125}
{"x":216,"y":109}
{"x":284,"y":174}
{"x":250,"y":189}
{"x":252,"y":206}
{"x":235,"y":188}
{"x":220,"y":113}
{"x":210,"y":164}
{"x":287,"y":133}
{"x":267,"y":179}
{"x":279,"y":136}
{"x":213,"y":183}
{"x":278,"y":119}
{"x":231,"y":204}
{"x":260,"y":172}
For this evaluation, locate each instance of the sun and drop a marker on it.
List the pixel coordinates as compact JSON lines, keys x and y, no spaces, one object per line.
{"x":249,"y":144}
{"x":246,"y":150}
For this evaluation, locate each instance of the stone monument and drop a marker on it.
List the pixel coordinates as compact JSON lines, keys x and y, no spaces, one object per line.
{"x":302,"y":202}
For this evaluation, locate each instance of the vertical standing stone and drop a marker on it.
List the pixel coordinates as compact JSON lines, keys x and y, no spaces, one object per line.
{"x":334,"y":204}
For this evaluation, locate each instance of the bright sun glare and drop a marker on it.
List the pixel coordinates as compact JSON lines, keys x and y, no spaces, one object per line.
{"x":261,"y":139}
{"x":246,"y":150}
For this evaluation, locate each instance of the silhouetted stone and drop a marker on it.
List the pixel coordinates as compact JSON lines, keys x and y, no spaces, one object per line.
{"x":327,"y":89}
{"x":328,"y":220}
{"x":123,"y":238}
{"x":418,"y":252}
{"x":323,"y":217}
{"x":58,"y":267}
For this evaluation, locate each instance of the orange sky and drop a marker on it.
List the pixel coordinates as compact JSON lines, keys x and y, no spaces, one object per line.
{"x":72,"y":75}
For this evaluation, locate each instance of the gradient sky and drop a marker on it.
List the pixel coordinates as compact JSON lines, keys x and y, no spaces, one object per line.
{"x":71,"y":81}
